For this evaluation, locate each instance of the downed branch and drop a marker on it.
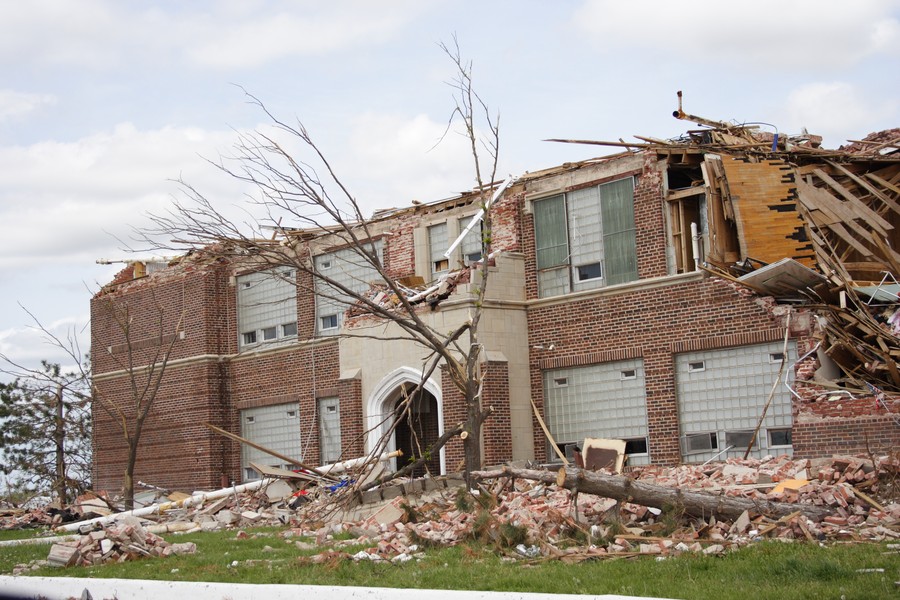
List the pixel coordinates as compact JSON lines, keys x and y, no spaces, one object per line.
{"x":411,"y":466}
{"x":697,"y":504}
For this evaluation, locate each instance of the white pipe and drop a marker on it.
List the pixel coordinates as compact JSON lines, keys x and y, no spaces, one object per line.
{"x":340,"y":467}
{"x":200,"y":497}
{"x":478,"y":216}
{"x":41,"y":540}
{"x":695,"y":245}
{"x":153,"y":509}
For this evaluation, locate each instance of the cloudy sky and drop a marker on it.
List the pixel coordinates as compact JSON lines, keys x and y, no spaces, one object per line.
{"x":103,"y":103}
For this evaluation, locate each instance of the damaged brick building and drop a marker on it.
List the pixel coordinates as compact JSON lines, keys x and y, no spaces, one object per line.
{"x":688,"y":296}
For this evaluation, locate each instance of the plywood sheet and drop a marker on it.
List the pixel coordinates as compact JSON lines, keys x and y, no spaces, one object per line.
{"x":764,"y":197}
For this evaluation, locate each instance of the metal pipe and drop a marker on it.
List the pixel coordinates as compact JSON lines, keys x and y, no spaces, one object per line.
{"x":479,"y":215}
{"x":340,"y":467}
{"x":160,"y":508}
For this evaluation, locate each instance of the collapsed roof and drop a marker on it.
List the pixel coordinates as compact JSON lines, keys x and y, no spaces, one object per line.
{"x":787,"y":218}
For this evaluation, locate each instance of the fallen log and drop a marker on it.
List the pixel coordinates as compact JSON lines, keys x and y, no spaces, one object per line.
{"x":697,"y":504}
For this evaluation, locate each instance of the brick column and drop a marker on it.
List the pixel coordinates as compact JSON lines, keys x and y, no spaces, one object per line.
{"x":662,"y":406}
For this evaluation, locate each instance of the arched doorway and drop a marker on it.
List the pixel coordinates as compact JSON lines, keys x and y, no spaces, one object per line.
{"x":426,"y":418}
{"x":415,"y":414}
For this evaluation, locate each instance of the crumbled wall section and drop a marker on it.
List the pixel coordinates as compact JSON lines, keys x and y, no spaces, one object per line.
{"x":648,"y":219}
{"x":399,"y":246}
{"x":827,"y":422}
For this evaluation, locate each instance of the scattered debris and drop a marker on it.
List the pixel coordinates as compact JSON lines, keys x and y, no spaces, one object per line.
{"x":527,"y":516}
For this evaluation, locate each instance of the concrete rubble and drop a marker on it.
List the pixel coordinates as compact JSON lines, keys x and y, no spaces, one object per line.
{"x":528,"y":520}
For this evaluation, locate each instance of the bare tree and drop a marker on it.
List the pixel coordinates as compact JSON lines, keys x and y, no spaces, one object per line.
{"x":309,"y":207}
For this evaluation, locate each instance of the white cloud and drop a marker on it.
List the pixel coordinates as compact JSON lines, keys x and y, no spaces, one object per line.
{"x":17,"y":104}
{"x":265,"y":36}
{"x":762,"y":34}
{"x":28,"y":345}
{"x":99,"y":34}
{"x":398,"y":159}
{"x":837,"y":111}
{"x":59,"y":33}
{"x":61,"y":201}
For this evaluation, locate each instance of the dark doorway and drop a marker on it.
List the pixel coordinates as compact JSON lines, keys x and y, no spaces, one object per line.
{"x":417,"y":431}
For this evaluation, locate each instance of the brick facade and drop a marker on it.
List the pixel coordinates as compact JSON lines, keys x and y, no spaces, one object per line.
{"x":191,"y":307}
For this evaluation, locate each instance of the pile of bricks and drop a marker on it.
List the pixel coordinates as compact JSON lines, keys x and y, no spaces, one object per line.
{"x":557,"y":524}
{"x":123,"y":541}
{"x":529,"y":520}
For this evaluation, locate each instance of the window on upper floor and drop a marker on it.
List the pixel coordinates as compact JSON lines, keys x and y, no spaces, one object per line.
{"x":267,"y":307}
{"x":345,"y":268}
{"x":438,"y":242}
{"x":585,"y":239}
{"x":470,"y":248}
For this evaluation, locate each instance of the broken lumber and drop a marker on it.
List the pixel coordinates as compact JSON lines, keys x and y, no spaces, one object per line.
{"x":197,"y":498}
{"x":697,"y":504}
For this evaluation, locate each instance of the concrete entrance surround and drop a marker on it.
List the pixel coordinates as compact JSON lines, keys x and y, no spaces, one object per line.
{"x":383,"y":398}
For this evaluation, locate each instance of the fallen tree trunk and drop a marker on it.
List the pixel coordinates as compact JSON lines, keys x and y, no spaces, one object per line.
{"x":697,"y":504}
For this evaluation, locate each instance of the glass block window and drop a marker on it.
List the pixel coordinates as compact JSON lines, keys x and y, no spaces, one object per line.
{"x":267,"y":306}
{"x":721,"y":393}
{"x":344,"y":267}
{"x":585,"y":239}
{"x":598,"y":401}
{"x":276,"y":427}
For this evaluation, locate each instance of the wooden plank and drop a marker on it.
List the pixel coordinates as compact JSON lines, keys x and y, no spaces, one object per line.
{"x":821,"y":199}
{"x":279,"y":473}
{"x":869,"y":188}
{"x":857,"y":205}
{"x":684,"y":193}
{"x":884,"y":183}
{"x":718,"y":227}
{"x":888,"y":254}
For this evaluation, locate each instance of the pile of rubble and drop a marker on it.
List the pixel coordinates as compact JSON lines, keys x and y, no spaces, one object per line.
{"x":123,"y":541}
{"x":531,"y":520}
{"x":528,"y":519}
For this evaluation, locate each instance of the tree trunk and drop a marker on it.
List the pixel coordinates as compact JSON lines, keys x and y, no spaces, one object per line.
{"x":129,"y":473}
{"x":697,"y":504}
{"x":59,"y":437}
{"x":472,"y":448}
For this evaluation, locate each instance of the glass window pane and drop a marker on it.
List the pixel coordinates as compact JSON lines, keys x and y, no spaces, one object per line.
{"x":551,"y":241}
{"x":619,"y":241}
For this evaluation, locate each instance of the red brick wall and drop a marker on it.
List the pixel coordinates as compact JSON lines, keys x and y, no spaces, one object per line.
{"x":497,"y":433}
{"x":454,"y":413}
{"x":295,"y":374}
{"x":176,"y":451}
{"x":497,"y":428}
{"x":653,"y":324}
{"x":827,"y":422}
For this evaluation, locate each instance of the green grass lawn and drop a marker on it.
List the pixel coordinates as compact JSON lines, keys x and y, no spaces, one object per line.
{"x":769,"y":569}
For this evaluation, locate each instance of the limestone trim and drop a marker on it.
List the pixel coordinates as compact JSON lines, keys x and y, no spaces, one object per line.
{"x":380,"y":405}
